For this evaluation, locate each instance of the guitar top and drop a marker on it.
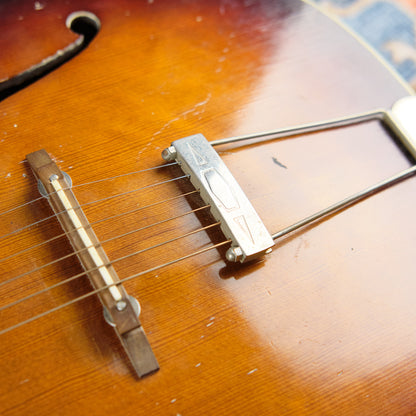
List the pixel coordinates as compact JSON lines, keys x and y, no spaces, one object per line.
{"x":324,"y":324}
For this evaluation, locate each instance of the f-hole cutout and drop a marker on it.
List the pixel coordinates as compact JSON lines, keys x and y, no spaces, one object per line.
{"x":85,"y":24}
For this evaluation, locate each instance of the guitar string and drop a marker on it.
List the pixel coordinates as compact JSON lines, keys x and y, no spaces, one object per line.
{"x":132,"y":191}
{"x":287,"y":132}
{"x":88,"y":183}
{"x":116,"y":283}
{"x":96,"y":291}
{"x":21,"y":206}
{"x":123,"y":175}
{"x":93,"y":223}
{"x":89,"y":294}
{"x":73,"y":253}
{"x":93,"y":202}
{"x":49,"y":288}
{"x":401,"y":175}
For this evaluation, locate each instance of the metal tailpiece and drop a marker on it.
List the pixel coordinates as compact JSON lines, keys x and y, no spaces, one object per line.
{"x":228,"y":203}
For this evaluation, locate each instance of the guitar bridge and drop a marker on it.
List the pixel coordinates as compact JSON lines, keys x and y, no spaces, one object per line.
{"x":228,"y":203}
{"x":120,"y":310}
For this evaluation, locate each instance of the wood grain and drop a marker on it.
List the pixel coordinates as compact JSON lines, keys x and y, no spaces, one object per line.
{"x":324,"y":325}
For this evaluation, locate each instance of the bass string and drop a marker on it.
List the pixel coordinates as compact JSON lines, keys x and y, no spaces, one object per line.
{"x":73,"y":253}
{"x":67,"y":233}
{"x":85,"y":272}
{"x":92,"y":202}
{"x":126,"y":279}
{"x":89,"y":183}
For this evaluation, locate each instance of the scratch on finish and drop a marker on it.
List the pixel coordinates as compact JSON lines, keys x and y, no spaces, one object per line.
{"x":183,"y":114}
{"x":278,"y":163}
{"x":252,"y":371}
{"x":168,"y":124}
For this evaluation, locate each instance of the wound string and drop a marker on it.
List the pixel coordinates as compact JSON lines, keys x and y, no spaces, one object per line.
{"x":47,"y":289}
{"x":93,"y":223}
{"x":92,"y":202}
{"x":134,"y":276}
{"x":73,"y":253}
{"x":111,"y":262}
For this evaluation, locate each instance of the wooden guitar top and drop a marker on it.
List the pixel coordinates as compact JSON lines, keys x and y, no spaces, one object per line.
{"x":323,"y":325}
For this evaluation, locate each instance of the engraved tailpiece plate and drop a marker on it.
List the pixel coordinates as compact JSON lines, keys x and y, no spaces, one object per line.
{"x":229,"y":205}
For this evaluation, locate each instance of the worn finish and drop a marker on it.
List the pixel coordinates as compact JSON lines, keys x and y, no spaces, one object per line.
{"x":324,"y":325}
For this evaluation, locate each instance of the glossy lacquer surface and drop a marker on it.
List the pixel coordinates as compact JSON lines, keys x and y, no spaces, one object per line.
{"x":324,"y":325}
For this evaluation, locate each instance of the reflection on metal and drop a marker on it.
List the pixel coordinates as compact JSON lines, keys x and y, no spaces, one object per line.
{"x":135,"y":305}
{"x":228,"y":203}
{"x":401,"y":120}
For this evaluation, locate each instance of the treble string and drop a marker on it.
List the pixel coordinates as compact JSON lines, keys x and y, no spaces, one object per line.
{"x":92,"y":202}
{"x":49,"y":288}
{"x":113,"y":238}
{"x":96,"y":291}
{"x":124,"y":174}
{"x":67,"y":233}
{"x":88,"y":183}
{"x":73,"y":253}
{"x":21,"y":206}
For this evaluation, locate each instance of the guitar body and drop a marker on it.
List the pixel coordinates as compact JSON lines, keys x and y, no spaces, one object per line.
{"x":323,"y":325}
